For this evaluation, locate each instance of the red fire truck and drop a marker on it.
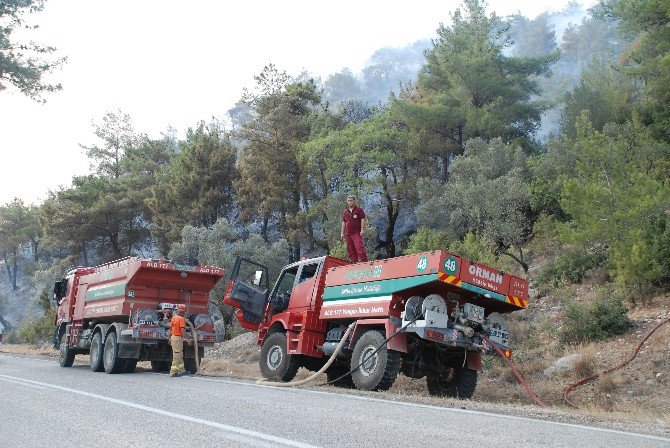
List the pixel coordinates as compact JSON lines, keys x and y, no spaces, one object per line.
{"x":445,"y":305}
{"x":113,"y":312}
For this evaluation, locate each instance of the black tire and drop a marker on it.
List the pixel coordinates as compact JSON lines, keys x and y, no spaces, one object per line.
{"x":160,"y":366}
{"x":334,"y":373}
{"x":381,"y":369}
{"x":276,"y":364}
{"x":96,"y":353}
{"x":130,"y":365}
{"x":462,"y":385}
{"x":190,"y":366}
{"x":111,"y":360}
{"x":66,"y":354}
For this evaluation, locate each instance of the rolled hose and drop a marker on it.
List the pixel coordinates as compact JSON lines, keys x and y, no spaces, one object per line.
{"x":321,"y":370}
{"x":194,"y":335}
{"x":623,"y":363}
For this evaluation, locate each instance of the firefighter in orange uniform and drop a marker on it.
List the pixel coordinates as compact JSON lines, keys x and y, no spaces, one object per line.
{"x":177,"y":333}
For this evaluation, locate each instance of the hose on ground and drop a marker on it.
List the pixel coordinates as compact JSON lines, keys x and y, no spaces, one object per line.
{"x":511,"y":365}
{"x":623,"y":363}
{"x":321,"y":370}
{"x":194,"y":335}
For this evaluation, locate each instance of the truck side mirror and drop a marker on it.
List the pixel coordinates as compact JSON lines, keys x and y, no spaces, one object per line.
{"x":257,"y":278}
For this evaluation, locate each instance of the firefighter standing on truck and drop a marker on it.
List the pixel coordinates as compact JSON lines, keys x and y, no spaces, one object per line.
{"x":353,"y":228}
{"x":177,"y":333}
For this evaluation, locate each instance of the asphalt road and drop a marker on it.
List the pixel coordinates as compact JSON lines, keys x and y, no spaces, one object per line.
{"x":42,"y":404}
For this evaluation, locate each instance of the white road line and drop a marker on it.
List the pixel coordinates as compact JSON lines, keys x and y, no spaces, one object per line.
{"x":241,"y":433}
{"x":22,"y":383}
{"x":436,"y":408}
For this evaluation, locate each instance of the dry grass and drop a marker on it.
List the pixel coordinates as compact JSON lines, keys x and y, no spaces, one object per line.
{"x":584,"y":366}
{"x":29,"y":349}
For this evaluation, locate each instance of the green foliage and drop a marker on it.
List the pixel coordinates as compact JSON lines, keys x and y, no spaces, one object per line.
{"x":545,"y":237}
{"x":546,"y":176}
{"x":570,"y":265}
{"x":486,"y":195}
{"x":107,"y":210}
{"x":37,"y":330}
{"x":117,"y":135}
{"x":602,"y":318}
{"x":604,"y":92}
{"x":469,"y":88}
{"x":426,"y":239}
{"x":376,"y":156}
{"x":273,"y":179}
{"x":23,"y":64}
{"x":219,"y":246}
{"x":341,"y":87}
{"x":18,"y":230}
{"x":196,"y":186}
{"x":618,"y":198}
{"x":476,"y":248}
{"x":339,"y":250}
{"x":531,"y":38}
{"x":648,"y":57}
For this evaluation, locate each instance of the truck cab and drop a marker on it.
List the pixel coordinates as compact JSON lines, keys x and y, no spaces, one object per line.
{"x":296,"y":291}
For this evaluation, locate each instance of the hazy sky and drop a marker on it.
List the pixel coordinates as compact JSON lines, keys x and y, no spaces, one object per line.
{"x":174,"y":63}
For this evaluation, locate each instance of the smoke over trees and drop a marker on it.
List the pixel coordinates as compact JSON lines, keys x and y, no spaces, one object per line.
{"x":498,"y":133}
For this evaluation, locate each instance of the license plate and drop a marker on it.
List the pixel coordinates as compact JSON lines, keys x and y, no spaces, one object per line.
{"x":499,"y":336}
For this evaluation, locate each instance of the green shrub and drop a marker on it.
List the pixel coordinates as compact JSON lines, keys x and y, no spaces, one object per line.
{"x":602,"y":318}
{"x":37,"y":330}
{"x":475,"y":248}
{"x":571,"y":265}
{"x":11,"y":337}
{"x":545,"y":239}
{"x":426,"y":239}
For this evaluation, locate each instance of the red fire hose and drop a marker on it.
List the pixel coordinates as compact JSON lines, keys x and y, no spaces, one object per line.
{"x":525,"y":385}
{"x":632,"y":356}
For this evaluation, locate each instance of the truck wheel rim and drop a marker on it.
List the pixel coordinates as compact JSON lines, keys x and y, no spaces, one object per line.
{"x":370,"y":365}
{"x":94,"y":351}
{"x":109,"y":356}
{"x":274,"y":357}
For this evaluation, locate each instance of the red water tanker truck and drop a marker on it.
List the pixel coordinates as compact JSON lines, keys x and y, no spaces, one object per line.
{"x":114,"y":312}
{"x":450,"y":310}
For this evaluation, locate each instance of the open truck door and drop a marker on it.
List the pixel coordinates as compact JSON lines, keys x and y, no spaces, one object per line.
{"x":248,"y":292}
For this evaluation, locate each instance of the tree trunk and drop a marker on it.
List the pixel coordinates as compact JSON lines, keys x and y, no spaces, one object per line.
{"x":16,"y":264}
{"x":264,"y":229}
{"x":392,"y":207}
{"x":523,"y":264}
{"x":5,"y":324}
{"x":9,"y":269}
{"x":36,"y":243}
{"x":310,"y":225}
{"x":84,"y":255}
{"x":114,"y":241}
{"x":296,"y":251}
